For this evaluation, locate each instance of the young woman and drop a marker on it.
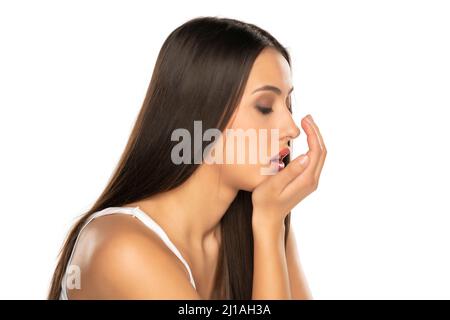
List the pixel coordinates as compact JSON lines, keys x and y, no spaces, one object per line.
{"x":168,"y":230}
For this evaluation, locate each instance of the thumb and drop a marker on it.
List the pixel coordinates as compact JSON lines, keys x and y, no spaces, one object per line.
{"x":292,"y":171}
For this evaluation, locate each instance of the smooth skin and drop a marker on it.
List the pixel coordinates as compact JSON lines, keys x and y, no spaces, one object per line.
{"x":120,"y":258}
{"x":272,"y":201}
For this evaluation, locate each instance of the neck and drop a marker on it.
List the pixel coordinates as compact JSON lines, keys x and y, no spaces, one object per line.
{"x":191,"y":213}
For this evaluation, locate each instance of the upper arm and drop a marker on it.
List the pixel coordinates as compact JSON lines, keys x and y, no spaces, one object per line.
{"x":129,"y":264}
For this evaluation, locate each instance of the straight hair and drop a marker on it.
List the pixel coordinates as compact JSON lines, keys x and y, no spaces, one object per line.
{"x":200,"y":74}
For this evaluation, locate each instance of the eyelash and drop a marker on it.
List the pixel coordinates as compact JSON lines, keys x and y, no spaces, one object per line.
{"x":264,"y":110}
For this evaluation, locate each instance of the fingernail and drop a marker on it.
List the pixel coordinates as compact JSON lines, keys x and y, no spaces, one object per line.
{"x":310,"y":118}
{"x":304,"y":160}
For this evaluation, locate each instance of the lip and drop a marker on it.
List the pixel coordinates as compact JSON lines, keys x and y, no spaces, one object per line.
{"x":281,"y":155}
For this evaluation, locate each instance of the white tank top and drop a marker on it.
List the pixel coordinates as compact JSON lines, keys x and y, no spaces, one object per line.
{"x":146,"y":220}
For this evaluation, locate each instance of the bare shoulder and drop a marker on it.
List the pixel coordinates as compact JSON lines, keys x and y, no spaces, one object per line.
{"x":120,"y":258}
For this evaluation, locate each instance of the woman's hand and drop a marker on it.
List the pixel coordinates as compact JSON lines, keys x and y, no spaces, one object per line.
{"x":274,"y":198}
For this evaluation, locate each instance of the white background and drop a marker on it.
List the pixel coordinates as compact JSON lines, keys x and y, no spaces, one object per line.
{"x":374,"y":74}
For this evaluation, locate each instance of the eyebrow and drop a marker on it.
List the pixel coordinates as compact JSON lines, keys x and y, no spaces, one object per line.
{"x":271,"y":88}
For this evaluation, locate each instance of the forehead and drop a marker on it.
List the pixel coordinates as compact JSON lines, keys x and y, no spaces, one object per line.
{"x":269,"y":68}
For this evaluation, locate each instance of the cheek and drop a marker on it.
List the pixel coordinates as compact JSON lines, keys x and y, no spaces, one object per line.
{"x":244,"y":176}
{"x":241,"y":176}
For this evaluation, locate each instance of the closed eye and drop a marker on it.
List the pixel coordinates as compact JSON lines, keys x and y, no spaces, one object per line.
{"x":264,"y":110}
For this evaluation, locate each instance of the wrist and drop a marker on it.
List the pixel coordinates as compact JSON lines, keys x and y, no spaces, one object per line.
{"x":267,"y":224}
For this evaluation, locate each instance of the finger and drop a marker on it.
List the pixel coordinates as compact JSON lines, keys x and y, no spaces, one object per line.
{"x":317,"y":152}
{"x":323,"y":149}
{"x":313,"y":139}
{"x":290,"y":172}
{"x":299,"y":187}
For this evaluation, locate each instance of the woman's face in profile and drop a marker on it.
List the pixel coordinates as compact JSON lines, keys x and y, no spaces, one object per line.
{"x":265,"y":105}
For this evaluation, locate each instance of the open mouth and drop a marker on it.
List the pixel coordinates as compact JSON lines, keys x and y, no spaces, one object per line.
{"x":278,"y":158}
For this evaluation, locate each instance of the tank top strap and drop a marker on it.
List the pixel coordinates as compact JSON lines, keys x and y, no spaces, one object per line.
{"x":153,"y":225}
{"x":146,"y":220}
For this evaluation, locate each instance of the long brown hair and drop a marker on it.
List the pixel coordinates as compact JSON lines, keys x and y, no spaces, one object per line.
{"x":200,"y":74}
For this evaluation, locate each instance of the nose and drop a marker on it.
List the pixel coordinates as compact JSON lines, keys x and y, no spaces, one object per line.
{"x":290,"y":129}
